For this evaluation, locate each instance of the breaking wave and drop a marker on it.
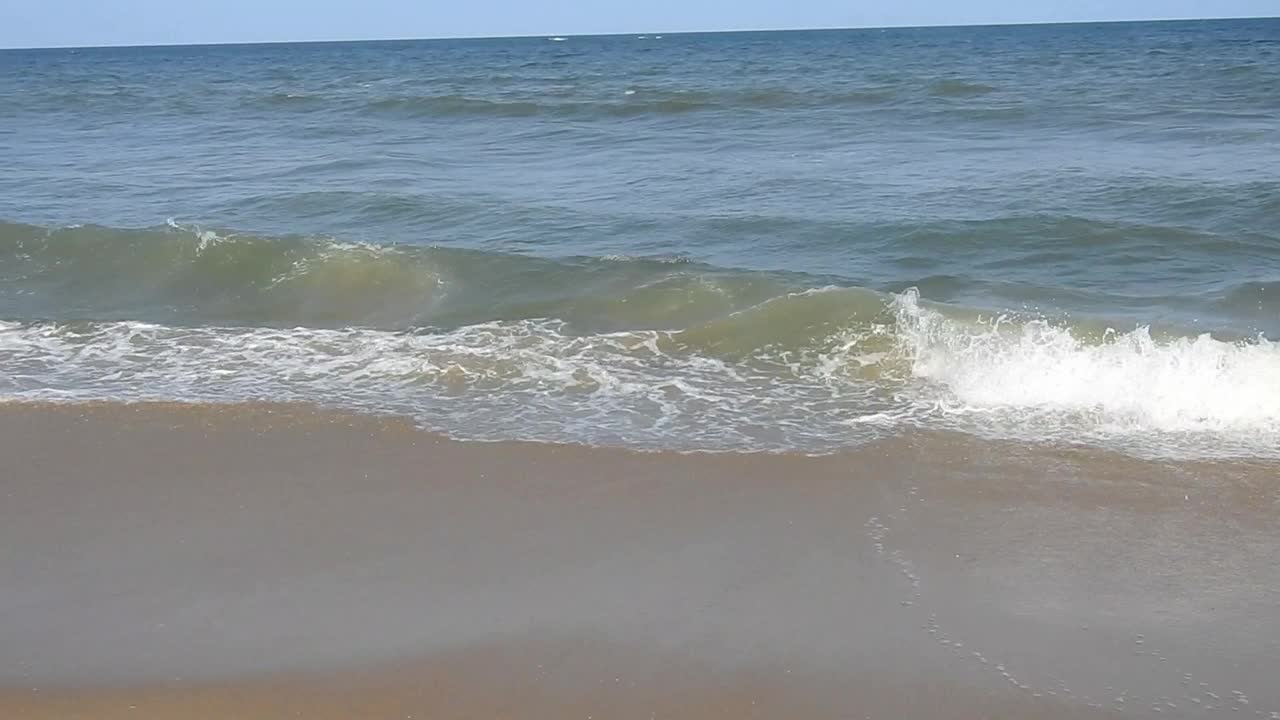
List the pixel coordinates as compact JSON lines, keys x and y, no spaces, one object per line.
{"x":646,"y":352}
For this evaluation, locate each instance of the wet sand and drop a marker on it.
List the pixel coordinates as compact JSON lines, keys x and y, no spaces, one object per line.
{"x":168,"y":561}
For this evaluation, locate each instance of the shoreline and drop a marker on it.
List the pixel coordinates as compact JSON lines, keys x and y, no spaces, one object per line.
{"x":269,"y":560}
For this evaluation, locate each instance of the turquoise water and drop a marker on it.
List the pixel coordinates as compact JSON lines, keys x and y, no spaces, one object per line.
{"x":784,"y":241}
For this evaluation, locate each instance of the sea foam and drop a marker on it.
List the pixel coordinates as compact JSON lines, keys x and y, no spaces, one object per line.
{"x":1129,"y":382}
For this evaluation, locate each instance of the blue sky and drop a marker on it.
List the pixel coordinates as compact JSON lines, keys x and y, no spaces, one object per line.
{"x":38,"y":23}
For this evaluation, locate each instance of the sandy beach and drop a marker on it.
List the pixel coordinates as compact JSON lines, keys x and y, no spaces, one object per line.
{"x":170,"y":561}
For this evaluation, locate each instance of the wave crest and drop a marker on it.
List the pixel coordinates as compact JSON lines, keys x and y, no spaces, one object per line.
{"x":1048,"y":379}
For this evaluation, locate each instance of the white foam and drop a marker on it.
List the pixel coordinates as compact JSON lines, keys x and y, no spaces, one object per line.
{"x":660,"y":259}
{"x":529,"y":380}
{"x":1130,"y":383}
{"x":539,"y":380}
{"x":205,"y":238}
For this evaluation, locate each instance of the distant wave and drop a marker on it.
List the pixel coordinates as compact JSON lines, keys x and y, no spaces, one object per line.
{"x":452,"y":105}
{"x":289,"y":99}
{"x":627,"y":102}
{"x":1246,"y":69}
{"x":960,"y":89}
{"x":632,"y":101}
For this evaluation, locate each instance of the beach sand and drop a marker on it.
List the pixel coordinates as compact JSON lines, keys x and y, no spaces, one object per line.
{"x":258,"y":561}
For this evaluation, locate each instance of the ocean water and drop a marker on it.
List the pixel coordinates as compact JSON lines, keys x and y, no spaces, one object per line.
{"x":783,"y":241}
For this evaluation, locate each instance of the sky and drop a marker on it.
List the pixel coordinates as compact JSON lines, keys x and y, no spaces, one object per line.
{"x":53,"y":23}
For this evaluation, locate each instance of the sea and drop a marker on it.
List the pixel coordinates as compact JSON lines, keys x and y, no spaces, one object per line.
{"x":801,"y":241}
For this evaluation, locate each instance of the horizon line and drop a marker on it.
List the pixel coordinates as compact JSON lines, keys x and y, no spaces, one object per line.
{"x":535,"y":36}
